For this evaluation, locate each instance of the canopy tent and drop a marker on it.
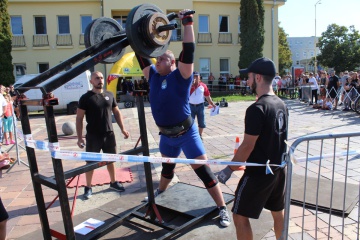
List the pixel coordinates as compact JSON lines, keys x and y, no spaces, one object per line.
{"x":127,"y":66}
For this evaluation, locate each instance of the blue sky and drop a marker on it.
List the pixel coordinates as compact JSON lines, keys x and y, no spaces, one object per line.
{"x":297,"y":17}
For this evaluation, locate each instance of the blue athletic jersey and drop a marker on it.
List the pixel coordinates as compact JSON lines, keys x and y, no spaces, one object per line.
{"x":169,"y":97}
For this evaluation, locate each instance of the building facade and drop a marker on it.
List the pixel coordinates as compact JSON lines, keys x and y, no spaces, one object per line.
{"x":45,"y":32}
{"x":303,"y":50}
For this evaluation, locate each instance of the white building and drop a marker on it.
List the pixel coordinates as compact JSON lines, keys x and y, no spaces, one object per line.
{"x":303,"y":50}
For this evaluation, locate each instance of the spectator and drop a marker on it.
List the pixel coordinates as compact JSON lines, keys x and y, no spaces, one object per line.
{"x":332,"y":87}
{"x":198,"y":92}
{"x":3,"y":104}
{"x":343,"y":81}
{"x":211,"y":79}
{"x":8,"y":121}
{"x":231,"y":82}
{"x":314,"y":89}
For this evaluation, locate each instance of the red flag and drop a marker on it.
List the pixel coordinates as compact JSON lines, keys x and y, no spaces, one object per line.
{"x":112,"y":77}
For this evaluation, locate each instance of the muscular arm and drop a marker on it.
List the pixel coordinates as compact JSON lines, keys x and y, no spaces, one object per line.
{"x":80,"y":113}
{"x":119,"y":121}
{"x":187,"y":69}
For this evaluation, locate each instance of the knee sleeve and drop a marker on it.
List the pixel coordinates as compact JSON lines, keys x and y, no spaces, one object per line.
{"x":168,"y":170}
{"x":207,"y":176}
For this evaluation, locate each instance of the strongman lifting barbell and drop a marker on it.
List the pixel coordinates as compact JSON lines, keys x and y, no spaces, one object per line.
{"x":148,"y":31}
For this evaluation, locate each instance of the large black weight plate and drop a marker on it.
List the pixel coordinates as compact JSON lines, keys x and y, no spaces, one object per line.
{"x":100,"y":29}
{"x":135,"y":25}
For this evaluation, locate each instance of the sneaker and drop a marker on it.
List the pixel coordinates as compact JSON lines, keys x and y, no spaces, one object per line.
{"x":340,"y":104}
{"x":117,"y":186}
{"x":88,"y":192}
{"x":156,"y":193}
{"x":12,"y":142}
{"x":224,"y":217}
{"x":7,"y":143}
{"x":346,"y":109}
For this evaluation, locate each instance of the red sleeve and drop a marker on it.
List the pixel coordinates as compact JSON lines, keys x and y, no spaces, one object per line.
{"x":206,"y":90}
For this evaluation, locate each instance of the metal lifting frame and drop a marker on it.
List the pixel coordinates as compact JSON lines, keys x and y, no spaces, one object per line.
{"x":99,"y":52}
{"x":57,"y":182}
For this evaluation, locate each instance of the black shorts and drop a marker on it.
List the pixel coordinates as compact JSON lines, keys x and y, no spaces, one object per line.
{"x":3,"y":213}
{"x":255,"y":192}
{"x":96,"y":143}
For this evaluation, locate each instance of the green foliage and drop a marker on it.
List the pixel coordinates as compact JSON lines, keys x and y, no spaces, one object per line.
{"x":6,"y":67}
{"x":340,"y":48}
{"x":251,"y":31}
{"x":285,"y":61}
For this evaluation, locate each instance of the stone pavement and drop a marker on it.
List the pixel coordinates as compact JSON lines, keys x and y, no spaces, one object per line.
{"x":17,"y":193}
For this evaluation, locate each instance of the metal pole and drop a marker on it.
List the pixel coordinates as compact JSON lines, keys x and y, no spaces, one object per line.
{"x":315,"y":40}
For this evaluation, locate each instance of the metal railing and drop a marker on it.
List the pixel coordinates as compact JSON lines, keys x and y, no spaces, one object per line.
{"x":225,"y":38}
{"x":323,"y":187}
{"x":40,"y":40}
{"x":64,"y":40}
{"x":18,"y":41}
{"x":204,"y":38}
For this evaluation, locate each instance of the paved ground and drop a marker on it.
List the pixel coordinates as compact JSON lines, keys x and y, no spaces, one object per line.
{"x":17,"y":193}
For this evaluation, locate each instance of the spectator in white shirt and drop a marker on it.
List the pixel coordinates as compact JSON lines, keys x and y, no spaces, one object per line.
{"x":314,"y":88}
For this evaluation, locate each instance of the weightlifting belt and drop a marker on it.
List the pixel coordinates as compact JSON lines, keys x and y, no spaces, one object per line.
{"x":178,"y":129}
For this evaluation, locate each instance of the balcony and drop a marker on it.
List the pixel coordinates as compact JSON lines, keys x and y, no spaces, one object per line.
{"x":40,"y":40}
{"x":225,"y":38}
{"x":63,"y":40}
{"x":18,"y":41}
{"x":204,"y":38}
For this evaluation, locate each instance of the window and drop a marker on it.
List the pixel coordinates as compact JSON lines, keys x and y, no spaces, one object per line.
{"x":16,"y":25}
{"x":40,"y":25}
{"x":305,"y":54}
{"x":121,"y":20}
{"x":20,"y":69}
{"x":42,"y":67}
{"x":311,"y":53}
{"x":176,"y":33}
{"x":85,"y":20}
{"x":204,"y":65}
{"x":64,"y":24}
{"x":223,"y":24}
{"x":224,"y":66}
{"x":297,"y":55}
{"x":203,"y":24}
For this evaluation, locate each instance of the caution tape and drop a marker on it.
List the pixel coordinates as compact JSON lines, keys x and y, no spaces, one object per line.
{"x":54,"y":149}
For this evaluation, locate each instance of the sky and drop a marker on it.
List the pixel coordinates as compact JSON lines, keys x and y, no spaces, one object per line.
{"x":297,"y":17}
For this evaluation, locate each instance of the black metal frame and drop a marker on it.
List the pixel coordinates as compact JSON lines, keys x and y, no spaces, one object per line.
{"x":57,"y":182}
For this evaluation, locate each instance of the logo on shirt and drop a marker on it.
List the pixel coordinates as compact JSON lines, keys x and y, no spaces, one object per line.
{"x":107,"y":98}
{"x":164,"y":84}
{"x":280,"y":122}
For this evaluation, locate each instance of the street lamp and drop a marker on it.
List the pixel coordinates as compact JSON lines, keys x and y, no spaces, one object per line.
{"x":315,"y":40}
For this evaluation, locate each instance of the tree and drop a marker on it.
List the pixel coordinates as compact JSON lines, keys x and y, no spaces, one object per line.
{"x":285,"y":61}
{"x":340,"y":48}
{"x":251,"y":31}
{"x":6,"y":67}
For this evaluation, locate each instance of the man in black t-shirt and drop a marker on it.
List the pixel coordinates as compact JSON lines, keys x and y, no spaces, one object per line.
{"x":264,"y":139}
{"x":96,"y":105}
{"x":332,"y":88}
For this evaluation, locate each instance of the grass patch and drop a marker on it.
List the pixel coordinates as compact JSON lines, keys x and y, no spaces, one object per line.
{"x":233,"y":97}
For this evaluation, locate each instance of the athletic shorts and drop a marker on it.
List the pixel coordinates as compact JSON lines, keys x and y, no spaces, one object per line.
{"x":255,"y":192}
{"x":3,"y":213}
{"x":190,"y":143}
{"x":96,"y":143}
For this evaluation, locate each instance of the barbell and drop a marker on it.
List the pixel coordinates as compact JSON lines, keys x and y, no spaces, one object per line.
{"x":147,"y":30}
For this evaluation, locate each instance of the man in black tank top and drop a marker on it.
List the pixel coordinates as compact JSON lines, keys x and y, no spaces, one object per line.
{"x":264,"y":139}
{"x":96,"y":105}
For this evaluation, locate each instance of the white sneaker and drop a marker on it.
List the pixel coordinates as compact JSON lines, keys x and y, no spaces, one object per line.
{"x":224,"y":217}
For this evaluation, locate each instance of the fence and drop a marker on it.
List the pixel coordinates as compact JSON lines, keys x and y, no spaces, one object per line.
{"x":322,"y":193}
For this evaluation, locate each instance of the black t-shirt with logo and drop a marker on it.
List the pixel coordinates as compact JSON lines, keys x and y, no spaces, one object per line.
{"x":333,"y":82}
{"x":98,"y":108}
{"x":266,"y":118}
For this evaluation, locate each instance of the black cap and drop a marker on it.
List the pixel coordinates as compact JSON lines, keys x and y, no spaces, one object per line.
{"x":263,"y":66}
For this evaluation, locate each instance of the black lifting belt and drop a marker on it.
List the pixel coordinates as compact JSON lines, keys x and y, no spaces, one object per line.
{"x":178,"y":129}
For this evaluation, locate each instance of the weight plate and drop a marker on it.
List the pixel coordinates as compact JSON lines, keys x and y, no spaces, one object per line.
{"x":151,"y":25}
{"x":135,"y":27}
{"x":100,"y":29}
